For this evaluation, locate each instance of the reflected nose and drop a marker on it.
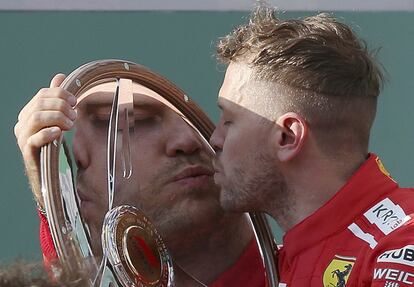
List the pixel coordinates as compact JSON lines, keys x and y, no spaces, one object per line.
{"x":82,"y":158}
{"x":216,"y":139}
{"x":181,"y":138}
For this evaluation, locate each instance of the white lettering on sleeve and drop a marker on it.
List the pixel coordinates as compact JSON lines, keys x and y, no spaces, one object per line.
{"x":357,"y":231}
{"x":394,"y":275}
{"x":404,"y":255}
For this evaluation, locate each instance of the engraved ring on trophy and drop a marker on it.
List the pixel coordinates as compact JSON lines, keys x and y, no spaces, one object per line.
{"x":112,"y":219}
{"x":137,"y":252}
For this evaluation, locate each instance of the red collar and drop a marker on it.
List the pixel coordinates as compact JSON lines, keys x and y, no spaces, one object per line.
{"x":365,"y":187}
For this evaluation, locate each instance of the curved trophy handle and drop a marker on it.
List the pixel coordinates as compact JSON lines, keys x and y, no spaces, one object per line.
{"x":76,"y":260}
{"x":267,"y":245}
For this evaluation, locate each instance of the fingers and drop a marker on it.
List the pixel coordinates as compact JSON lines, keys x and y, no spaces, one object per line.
{"x":57,"y":80}
{"x":43,"y":113}
{"x":42,"y":121}
{"x":38,"y":121}
{"x":50,"y":107}
{"x":43,"y":104}
{"x":44,"y":137}
{"x":46,"y":93}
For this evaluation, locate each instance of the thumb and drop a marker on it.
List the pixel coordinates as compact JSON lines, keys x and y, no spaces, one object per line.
{"x":57,"y":80}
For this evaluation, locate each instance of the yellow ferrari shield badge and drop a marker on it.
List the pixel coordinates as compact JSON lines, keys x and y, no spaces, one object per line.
{"x":338,"y":271}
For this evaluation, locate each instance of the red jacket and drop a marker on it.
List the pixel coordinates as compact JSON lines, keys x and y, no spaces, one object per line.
{"x":363,"y":236}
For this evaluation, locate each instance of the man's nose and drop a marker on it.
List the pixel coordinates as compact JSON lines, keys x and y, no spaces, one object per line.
{"x":182,"y":139}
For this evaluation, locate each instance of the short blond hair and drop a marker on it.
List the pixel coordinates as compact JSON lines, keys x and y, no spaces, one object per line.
{"x":332,"y":78}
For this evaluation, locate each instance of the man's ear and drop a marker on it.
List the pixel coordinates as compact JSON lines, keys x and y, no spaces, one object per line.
{"x":291,"y":134}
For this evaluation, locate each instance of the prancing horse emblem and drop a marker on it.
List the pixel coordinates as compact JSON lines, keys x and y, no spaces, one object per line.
{"x":338,"y":271}
{"x":340,"y":275}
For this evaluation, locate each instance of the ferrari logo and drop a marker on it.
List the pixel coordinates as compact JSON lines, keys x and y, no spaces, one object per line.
{"x":338,"y":271}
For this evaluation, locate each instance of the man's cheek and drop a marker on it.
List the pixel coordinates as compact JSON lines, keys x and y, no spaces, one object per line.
{"x":231,"y":144}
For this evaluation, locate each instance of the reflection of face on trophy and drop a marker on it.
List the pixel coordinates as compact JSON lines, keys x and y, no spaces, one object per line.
{"x":153,"y":151}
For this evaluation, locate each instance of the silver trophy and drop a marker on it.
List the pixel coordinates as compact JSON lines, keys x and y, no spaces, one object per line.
{"x":113,"y":219}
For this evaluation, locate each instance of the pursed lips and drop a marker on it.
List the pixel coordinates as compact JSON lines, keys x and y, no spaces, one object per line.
{"x":217,"y":172}
{"x":216,"y":166}
{"x":191,"y":172}
{"x":82,"y":196}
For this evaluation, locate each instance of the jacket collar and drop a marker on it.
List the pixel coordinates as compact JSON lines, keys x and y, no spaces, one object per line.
{"x":370,"y":182}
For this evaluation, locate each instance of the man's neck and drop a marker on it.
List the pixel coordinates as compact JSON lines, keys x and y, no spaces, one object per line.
{"x":308,"y":191}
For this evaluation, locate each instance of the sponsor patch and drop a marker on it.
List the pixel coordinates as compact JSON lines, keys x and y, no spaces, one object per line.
{"x":403,"y":255}
{"x":394,"y":275}
{"x":338,"y":271}
{"x":386,"y":215}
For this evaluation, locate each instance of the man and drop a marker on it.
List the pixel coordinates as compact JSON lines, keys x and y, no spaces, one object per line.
{"x":172,"y":181}
{"x":298,"y":100}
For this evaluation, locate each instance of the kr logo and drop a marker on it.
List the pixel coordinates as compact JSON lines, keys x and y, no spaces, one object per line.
{"x":338,"y":271}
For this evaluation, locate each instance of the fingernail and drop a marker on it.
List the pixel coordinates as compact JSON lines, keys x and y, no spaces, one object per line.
{"x":72,"y":101}
{"x":72,"y":114}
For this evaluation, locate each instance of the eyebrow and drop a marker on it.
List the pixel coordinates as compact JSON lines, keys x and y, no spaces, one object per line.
{"x":222,"y":105}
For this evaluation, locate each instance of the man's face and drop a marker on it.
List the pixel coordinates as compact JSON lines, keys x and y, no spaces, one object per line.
{"x":171,"y":179}
{"x":245,"y":164}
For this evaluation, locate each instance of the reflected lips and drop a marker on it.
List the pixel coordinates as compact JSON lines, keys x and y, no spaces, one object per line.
{"x":81,"y":195}
{"x":193,"y":176}
{"x":83,"y":198}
